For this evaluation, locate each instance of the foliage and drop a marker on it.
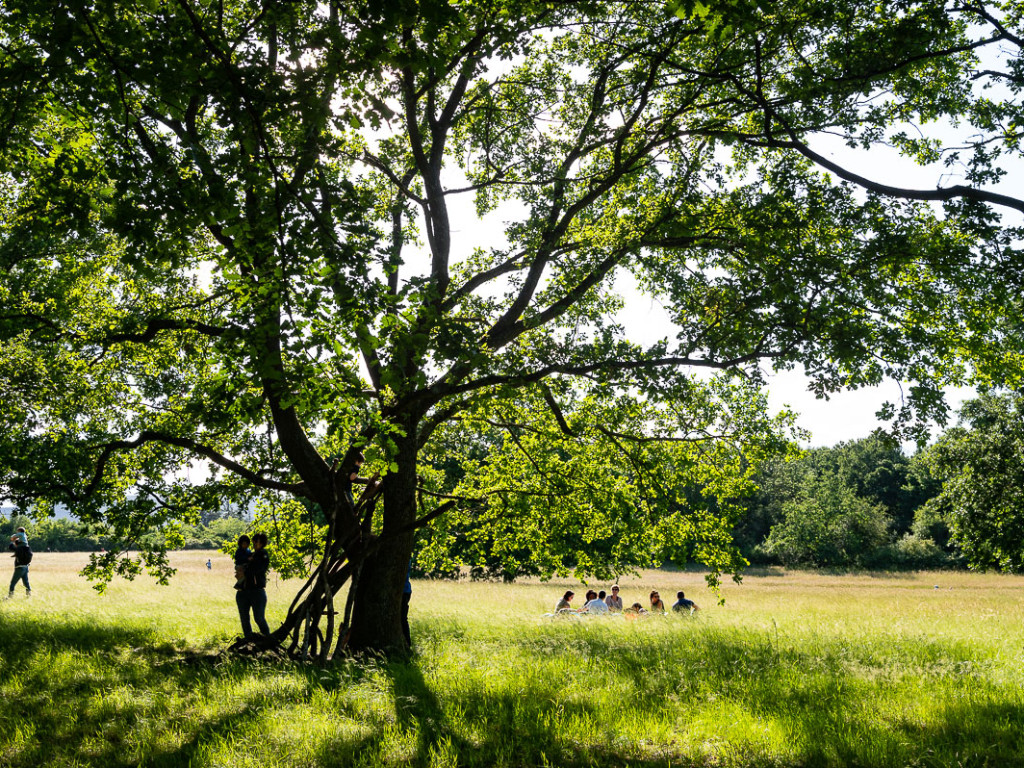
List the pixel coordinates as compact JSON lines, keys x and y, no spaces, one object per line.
{"x":982,"y":470}
{"x":582,"y":495}
{"x":62,"y":534}
{"x":829,"y":525}
{"x":930,"y":522}
{"x":919,"y":553}
{"x":874,"y":471}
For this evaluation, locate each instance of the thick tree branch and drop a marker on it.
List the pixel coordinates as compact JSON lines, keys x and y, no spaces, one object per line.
{"x":437,"y":392}
{"x":149,"y":436}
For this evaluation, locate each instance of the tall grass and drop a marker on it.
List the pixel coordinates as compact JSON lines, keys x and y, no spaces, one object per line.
{"x":795,"y":669}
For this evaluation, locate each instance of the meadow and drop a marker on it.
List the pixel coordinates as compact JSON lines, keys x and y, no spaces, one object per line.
{"x":795,"y":669}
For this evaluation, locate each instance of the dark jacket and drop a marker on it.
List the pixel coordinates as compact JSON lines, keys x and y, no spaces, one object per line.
{"x":256,"y":570}
{"x":22,"y":554}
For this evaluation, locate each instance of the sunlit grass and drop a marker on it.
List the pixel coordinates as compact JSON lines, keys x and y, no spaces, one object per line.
{"x":795,"y":669}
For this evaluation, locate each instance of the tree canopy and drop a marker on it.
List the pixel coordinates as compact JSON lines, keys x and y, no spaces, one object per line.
{"x":236,"y":252}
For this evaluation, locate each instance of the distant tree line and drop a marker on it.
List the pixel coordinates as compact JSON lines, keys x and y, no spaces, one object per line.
{"x":58,"y":534}
{"x":865,"y":504}
{"x":860,"y":504}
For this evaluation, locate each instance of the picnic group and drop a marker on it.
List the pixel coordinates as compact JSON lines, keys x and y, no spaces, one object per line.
{"x":601,"y":603}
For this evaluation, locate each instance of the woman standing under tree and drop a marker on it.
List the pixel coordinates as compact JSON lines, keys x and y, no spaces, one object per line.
{"x":253,"y":593}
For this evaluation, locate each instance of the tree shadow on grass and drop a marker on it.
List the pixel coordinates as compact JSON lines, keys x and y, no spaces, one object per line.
{"x":486,"y":728}
{"x":87,"y":693}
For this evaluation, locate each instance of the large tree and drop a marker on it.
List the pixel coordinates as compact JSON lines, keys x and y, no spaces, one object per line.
{"x":235,"y":234}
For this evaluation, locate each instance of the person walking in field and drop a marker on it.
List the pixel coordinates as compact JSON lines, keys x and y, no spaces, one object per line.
{"x":22,"y":558}
{"x":682,"y":605}
{"x":253,"y":594}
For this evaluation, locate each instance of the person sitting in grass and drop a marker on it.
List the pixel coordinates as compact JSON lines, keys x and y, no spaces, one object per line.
{"x":613,"y":601}
{"x":635,"y":611}
{"x":564,"y":604}
{"x":656,"y":605}
{"x":595,"y":603}
{"x":590,"y":595}
{"x":682,"y":605}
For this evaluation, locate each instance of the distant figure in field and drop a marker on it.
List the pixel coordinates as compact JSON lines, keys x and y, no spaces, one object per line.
{"x":656,"y":605}
{"x":564,"y":603}
{"x":22,"y":557}
{"x":242,"y":555}
{"x":253,"y":594}
{"x":595,"y":603}
{"x":613,"y":601}
{"x":209,"y":564}
{"x":682,"y":604}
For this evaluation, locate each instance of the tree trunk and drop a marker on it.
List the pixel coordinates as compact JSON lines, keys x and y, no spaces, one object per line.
{"x":377,"y":610}
{"x":375,"y":566}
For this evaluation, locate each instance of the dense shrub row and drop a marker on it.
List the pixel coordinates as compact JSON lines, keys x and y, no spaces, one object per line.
{"x":68,"y":535}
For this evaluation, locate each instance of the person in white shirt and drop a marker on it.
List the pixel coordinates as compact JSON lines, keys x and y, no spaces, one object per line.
{"x":595,"y":603}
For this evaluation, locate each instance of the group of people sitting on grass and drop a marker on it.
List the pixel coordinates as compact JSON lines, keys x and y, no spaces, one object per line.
{"x":601,"y":602}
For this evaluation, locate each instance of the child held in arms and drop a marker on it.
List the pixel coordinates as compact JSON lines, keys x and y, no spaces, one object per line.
{"x":242,"y":555}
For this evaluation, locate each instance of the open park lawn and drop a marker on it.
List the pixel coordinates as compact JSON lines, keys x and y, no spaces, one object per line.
{"x":795,"y":669}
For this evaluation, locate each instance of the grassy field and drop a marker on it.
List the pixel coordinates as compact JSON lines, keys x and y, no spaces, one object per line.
{"x":795,"y":669}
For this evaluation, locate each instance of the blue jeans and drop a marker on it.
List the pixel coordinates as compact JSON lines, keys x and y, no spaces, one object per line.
{"x":255,"y":599}
{"x":20,"y":572}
